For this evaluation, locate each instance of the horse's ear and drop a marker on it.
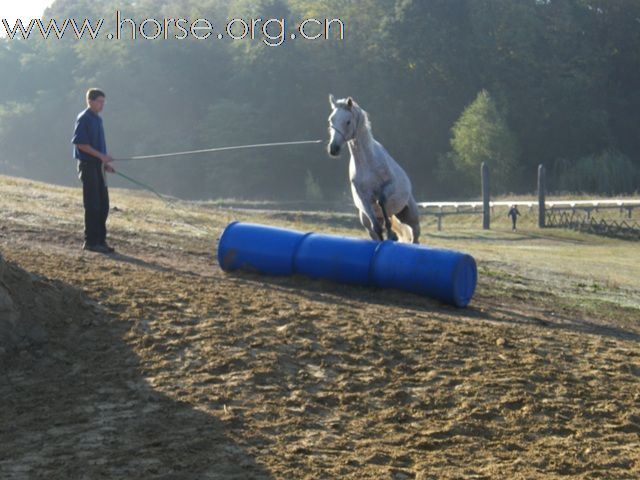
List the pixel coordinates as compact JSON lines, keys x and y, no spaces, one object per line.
{"x":350,"y":102}
{"x":332,"y":100}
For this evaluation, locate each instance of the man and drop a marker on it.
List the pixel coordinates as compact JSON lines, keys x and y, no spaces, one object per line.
{"x":513,"y":213}
{"x":90,"y":150}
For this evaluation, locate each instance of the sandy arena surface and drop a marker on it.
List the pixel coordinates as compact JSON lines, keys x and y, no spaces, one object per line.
{"x":179,"y":370}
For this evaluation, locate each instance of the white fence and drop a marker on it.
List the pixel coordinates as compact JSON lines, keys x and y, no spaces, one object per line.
{"x":545,"y":208}
{"x":594,"y":204}
{"x":443,"y":209}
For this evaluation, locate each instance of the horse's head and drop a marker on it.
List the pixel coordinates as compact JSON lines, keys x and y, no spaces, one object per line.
{"x":342,"y":124}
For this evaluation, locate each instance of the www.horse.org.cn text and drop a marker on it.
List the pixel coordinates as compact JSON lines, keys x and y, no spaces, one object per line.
{"x":272,"y":32}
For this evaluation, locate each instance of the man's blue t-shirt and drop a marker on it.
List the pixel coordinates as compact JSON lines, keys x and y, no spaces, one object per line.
{"x":88,"y":131}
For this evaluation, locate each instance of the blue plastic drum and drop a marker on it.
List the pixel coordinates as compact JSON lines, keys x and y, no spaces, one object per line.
{"x":341,"y":259}
{"x":258,"y":248}
{"x":446,"y":275}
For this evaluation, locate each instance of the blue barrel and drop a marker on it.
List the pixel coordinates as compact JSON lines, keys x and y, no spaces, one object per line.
{"x":445,"y":275}
{"x":340,"y":259}
{"x":258,"y":248}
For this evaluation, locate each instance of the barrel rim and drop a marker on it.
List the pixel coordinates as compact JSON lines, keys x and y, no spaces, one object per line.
{"x":221,"y":242}
{"x":463,"y":296}
{"x":294,"y":254}
{"x":373,"y":262}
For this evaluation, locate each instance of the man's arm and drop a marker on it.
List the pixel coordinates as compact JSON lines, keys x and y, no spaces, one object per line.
{"x":104,"y":158}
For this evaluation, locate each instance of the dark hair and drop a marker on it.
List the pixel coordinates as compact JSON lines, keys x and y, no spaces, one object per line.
{"x":94,"y":94}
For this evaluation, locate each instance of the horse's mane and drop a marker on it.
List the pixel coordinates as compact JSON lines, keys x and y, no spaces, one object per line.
{"x":361,"y":111}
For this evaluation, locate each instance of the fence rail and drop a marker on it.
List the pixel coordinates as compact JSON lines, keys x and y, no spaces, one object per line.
{"x":578,"y":221}
{"x":552,"y":210}
{"x":553,"y":213}
{"x":443,"y":209}
{"x":622,"y":204}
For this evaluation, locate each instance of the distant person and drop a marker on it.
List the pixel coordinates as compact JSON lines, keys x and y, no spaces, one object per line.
{"x":513,"y":213}
{"x":90,"y":150}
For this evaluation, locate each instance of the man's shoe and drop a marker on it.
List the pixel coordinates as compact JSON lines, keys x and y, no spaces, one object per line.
{"x":109,"y":248}
{"x":95,"y":248}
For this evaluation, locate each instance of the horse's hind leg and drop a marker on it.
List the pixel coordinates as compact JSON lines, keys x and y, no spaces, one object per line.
{"x":387,"y":221}
{"x":410,"y":215}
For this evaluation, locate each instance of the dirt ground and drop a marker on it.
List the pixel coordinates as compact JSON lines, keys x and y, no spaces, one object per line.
{"x":188,"y":372}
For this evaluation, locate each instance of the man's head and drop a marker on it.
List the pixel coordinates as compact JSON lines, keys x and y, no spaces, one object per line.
{"x":95,"y":99}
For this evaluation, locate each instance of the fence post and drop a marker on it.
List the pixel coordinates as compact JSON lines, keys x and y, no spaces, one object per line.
{"x":486,"y":210}
{"x":541,"y":196}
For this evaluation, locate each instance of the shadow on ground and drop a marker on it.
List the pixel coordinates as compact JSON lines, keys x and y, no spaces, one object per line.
{"x":80,"y":406}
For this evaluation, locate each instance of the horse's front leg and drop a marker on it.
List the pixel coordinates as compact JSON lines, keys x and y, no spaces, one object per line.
{"x":365,"y":202}
{"x":366,"y":223}
{"x":369,"y":220}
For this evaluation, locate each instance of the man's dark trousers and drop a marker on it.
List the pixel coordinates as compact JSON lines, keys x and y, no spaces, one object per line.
{"x":95,"y":196}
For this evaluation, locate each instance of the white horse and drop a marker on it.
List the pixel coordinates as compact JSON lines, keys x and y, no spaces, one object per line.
{"x":380,"y":187}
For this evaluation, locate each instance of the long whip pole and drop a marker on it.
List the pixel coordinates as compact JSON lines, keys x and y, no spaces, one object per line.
{"x":217,"y":149}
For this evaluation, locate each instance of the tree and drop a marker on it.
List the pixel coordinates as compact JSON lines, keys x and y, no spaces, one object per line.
{"x":481,"y":134}
{"x":563,"y":76}
{"x":607,"y":173}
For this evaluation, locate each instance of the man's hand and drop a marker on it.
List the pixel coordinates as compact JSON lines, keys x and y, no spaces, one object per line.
{"x":106,"y":159}
{"x":103,"y":157}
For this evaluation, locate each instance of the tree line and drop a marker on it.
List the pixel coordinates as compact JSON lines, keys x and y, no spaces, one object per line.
{"x":448,"y":84}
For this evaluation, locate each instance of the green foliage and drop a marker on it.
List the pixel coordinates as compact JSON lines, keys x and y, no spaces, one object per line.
{"x":563,"y":78}
{"x":481,"y":135}
{"x":237,"y":173}
{"x":606,"y":173}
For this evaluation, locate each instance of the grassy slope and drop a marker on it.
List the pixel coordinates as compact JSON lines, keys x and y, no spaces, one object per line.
{"x":578,"y":269}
